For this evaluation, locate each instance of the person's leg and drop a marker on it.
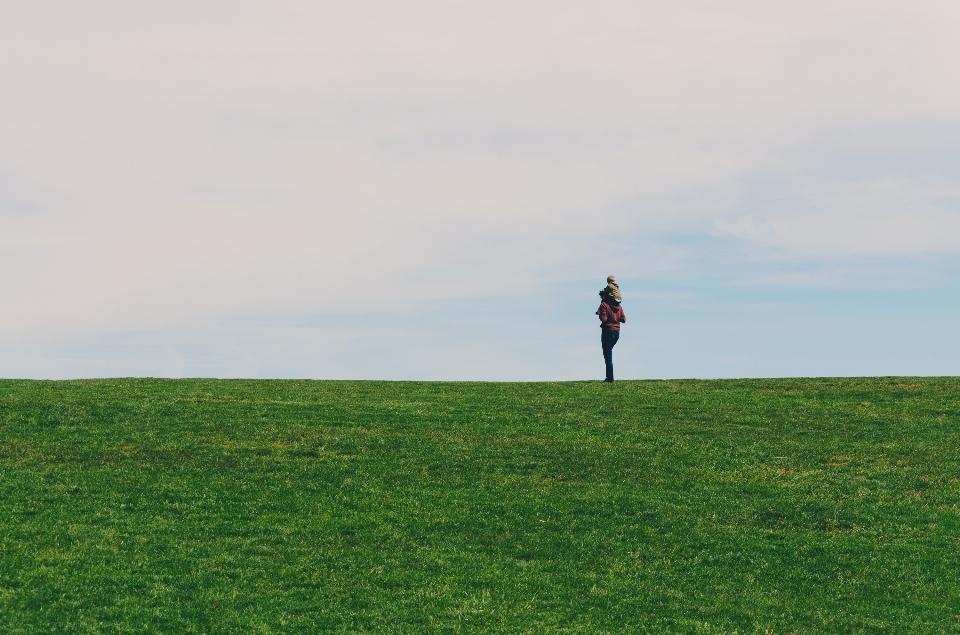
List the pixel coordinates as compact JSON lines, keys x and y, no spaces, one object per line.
{"x":607,"y":339}
{"x":606,"y":351}
{"x":614,"y":338}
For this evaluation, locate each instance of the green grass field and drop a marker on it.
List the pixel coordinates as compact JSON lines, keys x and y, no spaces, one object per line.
{"x":748,"y":506}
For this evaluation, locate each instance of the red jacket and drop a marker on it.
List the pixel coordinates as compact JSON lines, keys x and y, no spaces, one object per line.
{"x":611,"y":316}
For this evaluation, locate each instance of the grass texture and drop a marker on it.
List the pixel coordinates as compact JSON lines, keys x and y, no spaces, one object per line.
{"x":236,"y":506}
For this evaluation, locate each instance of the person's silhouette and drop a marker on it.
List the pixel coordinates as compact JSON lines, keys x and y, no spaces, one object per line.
{"x":611,"y":316}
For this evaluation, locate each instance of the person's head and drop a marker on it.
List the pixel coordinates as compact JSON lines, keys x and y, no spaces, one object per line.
{"x":611,"y":279}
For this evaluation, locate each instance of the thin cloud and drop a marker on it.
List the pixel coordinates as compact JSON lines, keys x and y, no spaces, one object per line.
{"x":181,"y":164}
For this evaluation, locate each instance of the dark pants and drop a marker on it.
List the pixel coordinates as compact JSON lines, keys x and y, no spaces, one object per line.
{"x":608,"y":339}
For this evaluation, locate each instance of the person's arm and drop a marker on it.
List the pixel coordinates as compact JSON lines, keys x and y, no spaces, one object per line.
{"x":623,"y":315}
{"x":603,"y":312}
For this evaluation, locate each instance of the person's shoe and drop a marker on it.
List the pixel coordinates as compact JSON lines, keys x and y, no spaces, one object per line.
{"x":608,"y":380}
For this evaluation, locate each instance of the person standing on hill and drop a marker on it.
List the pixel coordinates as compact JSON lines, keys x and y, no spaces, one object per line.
{"x":611,"y":316}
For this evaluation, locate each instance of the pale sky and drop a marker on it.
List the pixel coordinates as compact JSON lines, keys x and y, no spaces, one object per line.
{"x":437,"y":190}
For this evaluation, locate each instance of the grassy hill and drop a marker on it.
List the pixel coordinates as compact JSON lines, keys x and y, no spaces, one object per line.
{"x":752,"y":506}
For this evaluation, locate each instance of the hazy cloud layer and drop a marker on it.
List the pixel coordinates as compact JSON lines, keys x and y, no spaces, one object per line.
{"x":167,"y":169}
